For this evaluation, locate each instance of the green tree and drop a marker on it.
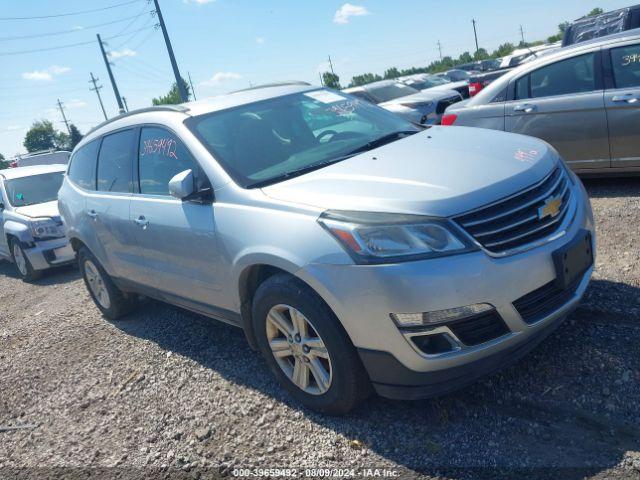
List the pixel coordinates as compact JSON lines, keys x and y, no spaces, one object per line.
{"x":331,"y":80}
{"x":465,"y":58}
{"x":43,"y":136}
{"x":3,"y":162}
{"x":481,"y":54}
{"x":595,"y":12}
{"x":504,"y":50}
{"x":173,"y":96}
{"x":364,"y":79}
{"x":391,"y":73}
{"x":74,"y":137}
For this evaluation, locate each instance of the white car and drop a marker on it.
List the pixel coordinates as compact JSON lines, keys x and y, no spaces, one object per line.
{"x":33,"y":235}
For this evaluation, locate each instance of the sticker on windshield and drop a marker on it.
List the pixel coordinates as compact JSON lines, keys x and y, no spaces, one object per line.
{"x":325,"y":96}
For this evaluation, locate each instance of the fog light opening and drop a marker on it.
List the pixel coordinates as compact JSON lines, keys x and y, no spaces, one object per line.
{"x":439,"y":317}
{"x":434,"y":344}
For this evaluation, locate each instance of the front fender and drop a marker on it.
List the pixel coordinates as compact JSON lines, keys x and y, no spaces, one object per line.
{"x":18,"y":230}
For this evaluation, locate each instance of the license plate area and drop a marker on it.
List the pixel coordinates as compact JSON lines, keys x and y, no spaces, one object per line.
{"x":572,"y":260}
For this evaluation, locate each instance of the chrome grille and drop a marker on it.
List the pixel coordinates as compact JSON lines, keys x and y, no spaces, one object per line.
{"x":514,"y":222}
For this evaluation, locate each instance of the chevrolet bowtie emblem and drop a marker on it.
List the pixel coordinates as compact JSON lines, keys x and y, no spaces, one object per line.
{"x":551,"y":208}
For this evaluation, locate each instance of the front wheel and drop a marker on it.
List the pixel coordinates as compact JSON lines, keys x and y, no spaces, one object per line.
{"x":112,"y":302}
{"x":306,"y":348}
{"x":22,"y":263}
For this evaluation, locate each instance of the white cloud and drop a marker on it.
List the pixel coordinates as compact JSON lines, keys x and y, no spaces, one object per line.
{"x":346,"y":11}
{"x":198,"y":2}
{"x":45,"y":75}
{"x":221,"y":77}
{"x":77,"y":27}
{"x":12,"y":128}
{"x":75,"y":103}
{"x":125,"y":52}
{"x":260,"y":40}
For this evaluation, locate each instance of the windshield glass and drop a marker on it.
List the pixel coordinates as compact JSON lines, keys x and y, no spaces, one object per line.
{"x":268,"y":141}
{"x":34,"y":189}
{"x":384,"y":93}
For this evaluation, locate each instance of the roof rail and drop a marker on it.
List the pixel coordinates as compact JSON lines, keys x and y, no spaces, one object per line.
{"x":274,"y":84}
{"x":157,"y":108}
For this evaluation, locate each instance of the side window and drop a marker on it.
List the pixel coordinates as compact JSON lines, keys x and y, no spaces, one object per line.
{"x":522,"y":88}
{"x":115,"y":162}
{"x":500,"y":97}
{"x":82,"y":169}
{"x":626,"y":66}
{"x":161,"y":156}
{"x":574,"y":75}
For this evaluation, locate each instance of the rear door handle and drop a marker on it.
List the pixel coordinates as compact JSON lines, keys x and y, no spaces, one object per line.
{"x":626,"y":98}
{"x":93,"y":214}
{"x":142,"y":221}
{"x":525,"y":107}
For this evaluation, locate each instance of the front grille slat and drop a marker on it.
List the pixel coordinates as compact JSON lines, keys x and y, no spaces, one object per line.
{"x":501,"y":214}
{"x":514,"y":222}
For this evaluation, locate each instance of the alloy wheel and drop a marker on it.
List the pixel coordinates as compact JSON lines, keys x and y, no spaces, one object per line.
{"x":96,"y":284}
{"x":298,"y":349}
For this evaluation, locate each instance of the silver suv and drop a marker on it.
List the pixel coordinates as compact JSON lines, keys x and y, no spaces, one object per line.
{"x":355,"y":249}
{"x":32,"y":235}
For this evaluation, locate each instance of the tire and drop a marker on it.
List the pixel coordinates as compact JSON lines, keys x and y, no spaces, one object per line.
{"x":110,"y":300}
{"x":22,"y":263}
{"x":285,"y":297}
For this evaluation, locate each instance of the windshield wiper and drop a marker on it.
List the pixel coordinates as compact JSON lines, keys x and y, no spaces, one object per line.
{"x":378,"y":142}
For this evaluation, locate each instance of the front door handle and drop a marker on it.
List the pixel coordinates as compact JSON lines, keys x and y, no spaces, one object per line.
{"x":626,"y":98}
{"x":93,"y":214}
{"x":142,"y":221}
{"x":525,"y":107}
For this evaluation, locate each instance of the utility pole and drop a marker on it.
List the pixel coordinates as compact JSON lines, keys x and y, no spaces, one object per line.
{"x":475,"y":33}
{"x":64,"y":117}
{"x":96,"y":89}
{"x":113,"y":80}
{"x":331,"y":65}
{"x":522,"y":34}
{"x":181,"y":88}
{"x":440,"y":49}
{"x":193,"y":91}
{"x":126,"y":107}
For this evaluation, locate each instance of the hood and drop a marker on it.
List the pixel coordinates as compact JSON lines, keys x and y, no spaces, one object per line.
{"x":48,"y":209}
{"x":423,"y":96}
{"x":442,"y":171}
{"x":448,"y":86}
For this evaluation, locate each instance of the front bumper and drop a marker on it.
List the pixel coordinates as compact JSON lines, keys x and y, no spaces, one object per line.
{"x":49,"y":253}
{"x":363,"y":296}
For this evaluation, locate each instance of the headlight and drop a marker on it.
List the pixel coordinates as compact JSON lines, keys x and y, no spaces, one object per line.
{"x":386,"y":238}
{"x":46,"y":228}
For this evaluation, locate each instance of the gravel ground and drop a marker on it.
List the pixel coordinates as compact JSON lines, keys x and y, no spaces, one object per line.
{"x":166,"y":393}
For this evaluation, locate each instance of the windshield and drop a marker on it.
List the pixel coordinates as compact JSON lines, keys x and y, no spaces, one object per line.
{"x":384,"y":93}
{"x":34,"y":189}
{"x":268,"y":141}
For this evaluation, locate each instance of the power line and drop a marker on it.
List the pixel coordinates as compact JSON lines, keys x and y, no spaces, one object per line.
{"x":69,"y":14}
{"x":73,"y":30}
{"x":60,"y":47}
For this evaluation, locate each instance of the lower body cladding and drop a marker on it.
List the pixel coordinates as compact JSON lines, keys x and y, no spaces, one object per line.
{"x":516,"y":302}
{"x":45,"y":254}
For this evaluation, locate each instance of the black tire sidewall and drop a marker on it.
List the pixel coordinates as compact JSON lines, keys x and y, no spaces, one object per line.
{"x":118,"y":305}
{"x":345,"y":391}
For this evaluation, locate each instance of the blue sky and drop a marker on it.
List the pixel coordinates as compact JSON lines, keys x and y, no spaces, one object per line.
{"x":228,"y":44}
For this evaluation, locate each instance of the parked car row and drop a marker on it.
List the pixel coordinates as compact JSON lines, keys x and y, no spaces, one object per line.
{"x":584,"y":100}
{"x":343,"y":239}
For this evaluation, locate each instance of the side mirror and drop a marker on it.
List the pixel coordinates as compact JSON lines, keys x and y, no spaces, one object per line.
{"x":182,"y":185}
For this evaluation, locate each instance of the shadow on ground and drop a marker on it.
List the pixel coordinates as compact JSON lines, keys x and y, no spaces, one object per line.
{"x":560,"y":411}
{"x":612,"y":186}
{"x":57,"y":275}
